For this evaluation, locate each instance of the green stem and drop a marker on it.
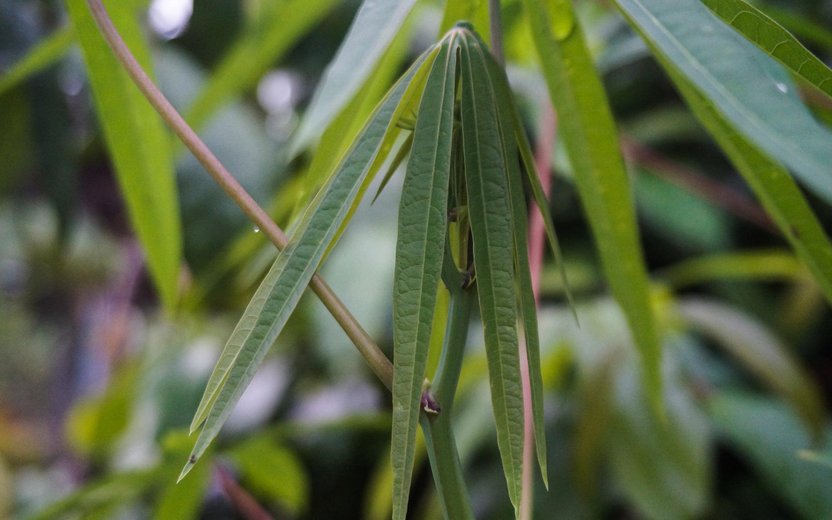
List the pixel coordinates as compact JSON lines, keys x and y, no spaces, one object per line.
{"x":439,"y":436}
{"x":378,"y":362}
{"x":496,"y":23}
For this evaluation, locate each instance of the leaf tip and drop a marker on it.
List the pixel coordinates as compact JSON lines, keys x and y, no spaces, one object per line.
{"x":187,"y":469}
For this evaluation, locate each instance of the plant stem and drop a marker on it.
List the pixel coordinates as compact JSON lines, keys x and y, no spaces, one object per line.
{"x":496,"y":21}
{"x":378,"y":362}
{"x":439,"y":436}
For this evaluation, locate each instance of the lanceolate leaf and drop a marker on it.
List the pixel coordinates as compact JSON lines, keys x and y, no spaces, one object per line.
{"x":489,"y":209}
{"x":753,"y":93}
{"x":772,"y":184}
{"x":519,"y":218}
{"x":138,"y":143}
{"x":421,"y":231}
{"x":282,"y":288}
{"x":591,"y":141}
{"x":374,"y":27}
{"x":274,"y":32}
{"x":38,"y":58}
{"x":775,"y":40}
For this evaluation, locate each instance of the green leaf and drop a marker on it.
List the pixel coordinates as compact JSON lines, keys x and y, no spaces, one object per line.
{"x":760,"y":265}
{"x":751,"y":91}
{"x":519,"y":217}
{"x":772,"y":185}
{"x":374,"y":27}
{"x":274,"y":33}
{"x":285,"y":283}
{"x":490,"y":219}
{"x":46,"y":53}
{"x":770,"y":438}
{"x":423,"y":215}
{"x":591,"y":140}
{"x":753,"y":345}
{"x":138,"y":143}
{"x":183,"y":500}
{"x":272,"y":470}
{"x":775,"y":40}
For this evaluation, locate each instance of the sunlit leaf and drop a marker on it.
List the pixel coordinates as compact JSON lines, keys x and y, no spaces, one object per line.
{"x":587,"y":129}
{"x":138,"y":143}
{"x":749,"y":89}
{"x":490,"y":220}
{"x":374,"y":27}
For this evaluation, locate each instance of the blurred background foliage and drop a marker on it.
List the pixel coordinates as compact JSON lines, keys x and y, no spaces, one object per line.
{"x":98,"y":383}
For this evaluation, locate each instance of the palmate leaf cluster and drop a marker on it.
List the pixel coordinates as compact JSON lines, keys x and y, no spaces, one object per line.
{"x":467,"y":154}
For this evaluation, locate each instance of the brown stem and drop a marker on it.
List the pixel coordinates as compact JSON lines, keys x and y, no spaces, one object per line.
{"x":244,"y":503}
{"x":378,"y":362}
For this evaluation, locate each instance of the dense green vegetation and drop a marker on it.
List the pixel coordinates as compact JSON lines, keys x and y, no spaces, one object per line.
{"x":666,"y":355}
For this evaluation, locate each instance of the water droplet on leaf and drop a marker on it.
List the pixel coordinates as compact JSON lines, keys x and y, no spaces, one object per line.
{"x":782,"y":87}
{"x":256,"y":229}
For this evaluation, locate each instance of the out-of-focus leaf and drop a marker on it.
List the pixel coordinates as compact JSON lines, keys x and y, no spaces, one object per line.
{"x":474,"y":11}
{"x":277,"y":28}
{"x":423,"y":215}
{"x":16,"y":147}
{"x":662,"y":466}
{"x":491,"y":228}
{"x":374,"y":27}
{"x":44,"y":54}
{"x":104,"y":494}
{"x":278,"y":295}
{"x":817,"y":457}
{"x":138,"y":143}
{"x":770,"y":437}
{"x":757,"y":265}
{"x":800,"y":24}
{"x":183,"y":500}
{"x":753,"y":345}
{"x":588,"y":131}
{"x":750,"y":90}
{"x":775,"y":40}
{"x":772,"y":184}
{"x":96,"y":423}
{"x":271,"y":470}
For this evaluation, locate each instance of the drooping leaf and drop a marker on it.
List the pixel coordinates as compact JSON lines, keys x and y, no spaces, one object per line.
{"x":775,"y":40}
{"x":374,"y":27}
{"x":422,"y":224}
{"x":749,"y":89}
{"x":588,"y":131}
{"x":271,"y":36}
{"x":519,"y":219}
{"x":44,"y":54}
{"x":771,"y":183}
{"x":138,"y":143}
{"x":753,"y":345}
{"x":490,"y":220}
{"x":285,"y":283}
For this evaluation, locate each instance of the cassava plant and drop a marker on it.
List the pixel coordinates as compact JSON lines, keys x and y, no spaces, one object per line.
{"x":469,"y":183}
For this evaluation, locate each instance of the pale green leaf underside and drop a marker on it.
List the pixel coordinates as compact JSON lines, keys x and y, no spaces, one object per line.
{"x":374,"y":27}
{"x":419,"y":255}
{"x":752,"y":91}
{"x":775,"y":40}
{"x":44,"y":54}
{"x":489,"y":210}
{"x":271,"y":36}
{"x":772,"y":185}
{"x":137,"y":141}
{"x":591,"y":140}
{"x":282,"y":288}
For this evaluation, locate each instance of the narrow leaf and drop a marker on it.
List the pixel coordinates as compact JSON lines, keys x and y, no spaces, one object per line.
{"x":775,"y":40}
{"x":772,"y":185}
{"x":374,"y":27}
{"x":488,"y":207}
{"x":591,"y":140}
{"x":282,"y":288}
{"x":275,"y":31}
{"x":751,"y":91}
{"x":519,"y":225}
{"x":422,"y":224}
{"x":138,"y":143}
{"x":44,"y":54}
